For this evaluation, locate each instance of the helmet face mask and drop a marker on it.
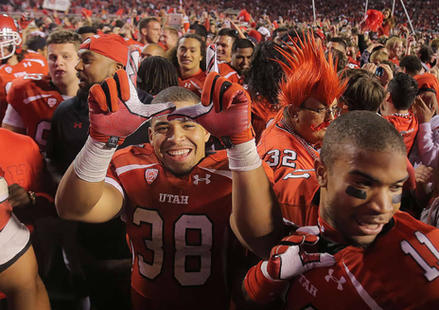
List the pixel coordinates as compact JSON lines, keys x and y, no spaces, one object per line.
{"x":9,"y":37}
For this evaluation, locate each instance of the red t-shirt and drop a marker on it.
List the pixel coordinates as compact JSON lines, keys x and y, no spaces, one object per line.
{"x":407,"y":126}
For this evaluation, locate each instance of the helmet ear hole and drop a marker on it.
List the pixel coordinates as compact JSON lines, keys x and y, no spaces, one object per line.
{"x":9,"y":37}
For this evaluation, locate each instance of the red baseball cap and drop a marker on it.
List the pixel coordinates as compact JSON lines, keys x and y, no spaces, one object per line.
{"x":109,"y":45}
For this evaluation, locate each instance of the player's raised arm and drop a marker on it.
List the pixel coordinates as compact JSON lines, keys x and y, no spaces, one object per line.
{"x":225,"y":113}
{"x":115,"y":113}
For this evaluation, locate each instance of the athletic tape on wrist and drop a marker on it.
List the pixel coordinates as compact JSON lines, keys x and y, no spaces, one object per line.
{"x":92,"y":161}
{"x":244,"y":156}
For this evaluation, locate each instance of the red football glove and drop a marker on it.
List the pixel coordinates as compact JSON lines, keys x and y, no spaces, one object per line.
{"x":289,"y":259}
{"x":116,"y":111}
{"x":225,"y":110}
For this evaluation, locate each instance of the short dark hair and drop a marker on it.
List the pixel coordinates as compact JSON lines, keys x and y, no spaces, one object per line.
{"x":199,"y":30}
{"x":64,"y":36}
{"x":172,"y":30}
{"x":173,"y":52}
{"x":403,"y":90}
{"x":280,"y":29}
{"x":363,"y":129}
{"x":339,"y":40}
{"x":175,"y":94}
{"x":242,"y":43}
{"x":155,"y":74}
{"x":145,"y":21}
{"x":228,"y":32}
{"x":86,"y":29}
{"x":119,"y":23}
{"x":339,"y":58}
{"x":411,"y":64}
{"x":363,"y":92}
{"x":36,"y":43}
{"x":425,"y":53}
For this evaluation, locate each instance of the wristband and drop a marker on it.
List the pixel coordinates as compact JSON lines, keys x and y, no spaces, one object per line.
{"x":91,"y":163}
{"x":244,"y":156}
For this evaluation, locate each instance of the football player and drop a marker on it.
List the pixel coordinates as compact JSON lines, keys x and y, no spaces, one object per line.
{"x":19,"y":278}
{"x":15,"y":61}
{"x":33,"y":98}
{"x":175,"y":200}
{"x":189,"y":59}
{"x":367,"y":241}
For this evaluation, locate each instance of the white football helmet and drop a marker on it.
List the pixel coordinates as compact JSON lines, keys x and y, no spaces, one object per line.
{"x":9,"y":37}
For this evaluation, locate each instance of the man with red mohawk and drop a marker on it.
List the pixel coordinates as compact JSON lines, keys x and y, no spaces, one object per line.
{"x":290,"y":145}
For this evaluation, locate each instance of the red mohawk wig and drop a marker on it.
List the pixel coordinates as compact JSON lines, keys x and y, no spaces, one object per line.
{"x":308,"y":74}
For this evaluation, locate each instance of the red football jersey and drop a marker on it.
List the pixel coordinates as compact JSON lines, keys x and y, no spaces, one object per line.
{"x":262,"y":113}
{"x":35,"y":98}
{"x":23,"y":167}
{"x":400,"y":270}
{"x":295,"y":181}
{"x":194,"y":83}
{"x":176,"y":227}
{"x":32,"y":63}
{"x":134,"y":44}
{"x":407,"y":126}
{"x":228,"y":72}
{"x":14,"y":236}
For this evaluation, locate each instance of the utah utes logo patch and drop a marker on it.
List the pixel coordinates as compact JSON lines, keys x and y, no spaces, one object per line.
{"x":151,"y":175}
{"x":51,"y":102}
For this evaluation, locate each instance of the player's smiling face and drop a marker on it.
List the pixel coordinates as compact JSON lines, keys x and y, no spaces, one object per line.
{"x":179,"y":144}
{"x":189,"y":55}
{"x":361,"y":191}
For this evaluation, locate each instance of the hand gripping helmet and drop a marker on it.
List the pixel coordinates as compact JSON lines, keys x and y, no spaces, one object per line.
{"x":9,"y":37}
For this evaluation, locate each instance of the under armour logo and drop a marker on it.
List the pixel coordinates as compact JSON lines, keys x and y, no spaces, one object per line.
{"x":51,"y":102}
{"x":339,"y":282}
{"x":77,"y":125}
{"x":197,"y":179}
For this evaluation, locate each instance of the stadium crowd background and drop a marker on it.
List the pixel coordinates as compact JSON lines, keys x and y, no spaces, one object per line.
{"x":340,"y":25}
{"x":422,"y":13}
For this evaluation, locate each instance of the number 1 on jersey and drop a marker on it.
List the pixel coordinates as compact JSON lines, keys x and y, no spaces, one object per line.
{"x":430,"y":272}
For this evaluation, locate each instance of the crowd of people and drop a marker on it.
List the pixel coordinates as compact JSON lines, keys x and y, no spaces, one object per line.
{"x":198,"y":155}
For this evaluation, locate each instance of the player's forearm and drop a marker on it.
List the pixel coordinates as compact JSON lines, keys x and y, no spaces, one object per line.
{"x":34,"y":298}
{"x":255,"y":219}
{"x":76,"y":197}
